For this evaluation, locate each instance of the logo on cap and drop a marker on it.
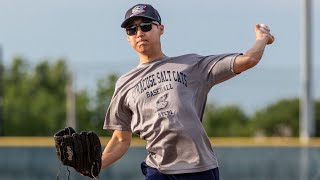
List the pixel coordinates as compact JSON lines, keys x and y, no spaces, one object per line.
{"x":138,"y":10}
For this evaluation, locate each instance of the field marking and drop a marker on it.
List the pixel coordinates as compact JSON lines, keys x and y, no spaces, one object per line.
{"x":136,"y":142}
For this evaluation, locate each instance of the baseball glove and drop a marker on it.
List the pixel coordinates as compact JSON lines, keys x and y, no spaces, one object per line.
{"x":80,"y":151}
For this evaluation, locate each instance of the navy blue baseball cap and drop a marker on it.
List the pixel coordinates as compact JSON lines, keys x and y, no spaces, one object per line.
{"x":141,"y":10}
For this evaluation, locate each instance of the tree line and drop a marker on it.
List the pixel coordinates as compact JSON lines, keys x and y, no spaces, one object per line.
{"x":34,"y":104}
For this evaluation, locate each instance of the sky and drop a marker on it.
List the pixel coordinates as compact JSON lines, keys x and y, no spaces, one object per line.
{"x":88,"y":35}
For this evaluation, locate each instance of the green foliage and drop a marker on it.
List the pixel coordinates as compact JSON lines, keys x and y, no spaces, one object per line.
{"x":83,"y":112}
{"x":35,"y":105}
{"x":105,"y":89}
{"x":279,"y":119}
{"x":34,"y":101}
{"x":226,"y":121}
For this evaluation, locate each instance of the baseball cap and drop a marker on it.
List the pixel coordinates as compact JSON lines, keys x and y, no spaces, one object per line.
{"x":141,"y":10}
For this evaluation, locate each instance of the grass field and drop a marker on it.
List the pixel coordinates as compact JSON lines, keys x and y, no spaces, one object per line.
{"x":217,"y":142}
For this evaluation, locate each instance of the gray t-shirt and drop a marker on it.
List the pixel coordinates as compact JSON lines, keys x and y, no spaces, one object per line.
{"x":163,"y":102}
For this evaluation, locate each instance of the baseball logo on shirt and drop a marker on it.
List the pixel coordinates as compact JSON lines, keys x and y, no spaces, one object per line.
{"x":162,"y":103}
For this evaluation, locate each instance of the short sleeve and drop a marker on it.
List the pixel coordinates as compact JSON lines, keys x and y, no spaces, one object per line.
{"x":118,"y":115}
{"x":217,"y":68}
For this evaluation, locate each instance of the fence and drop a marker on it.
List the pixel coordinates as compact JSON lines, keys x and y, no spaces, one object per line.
{"x":241,"y":162}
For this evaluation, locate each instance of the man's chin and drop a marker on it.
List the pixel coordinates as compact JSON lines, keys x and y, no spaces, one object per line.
{"x":142,"y":49}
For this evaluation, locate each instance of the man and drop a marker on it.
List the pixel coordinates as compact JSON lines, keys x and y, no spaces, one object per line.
{"x":163,"y":99}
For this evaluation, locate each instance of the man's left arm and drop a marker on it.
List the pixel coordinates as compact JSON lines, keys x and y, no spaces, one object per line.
{"x":254,"y":54}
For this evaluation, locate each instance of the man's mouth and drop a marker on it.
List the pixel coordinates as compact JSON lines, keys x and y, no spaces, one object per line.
{"x":141,"y":42}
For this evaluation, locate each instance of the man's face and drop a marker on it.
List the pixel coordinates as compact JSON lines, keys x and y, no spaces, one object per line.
{"x":144,"y":42}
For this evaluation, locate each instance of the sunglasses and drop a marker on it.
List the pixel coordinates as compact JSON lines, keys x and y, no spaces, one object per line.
{"x":144,"y":26}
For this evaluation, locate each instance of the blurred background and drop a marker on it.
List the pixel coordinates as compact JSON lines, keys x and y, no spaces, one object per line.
{"x":59,"y":61}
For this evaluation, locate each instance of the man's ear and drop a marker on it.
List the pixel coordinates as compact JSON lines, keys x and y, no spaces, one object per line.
{"x":161,"y":29}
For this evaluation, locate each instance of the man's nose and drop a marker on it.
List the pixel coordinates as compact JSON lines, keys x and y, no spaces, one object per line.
{"x":139,"y":32}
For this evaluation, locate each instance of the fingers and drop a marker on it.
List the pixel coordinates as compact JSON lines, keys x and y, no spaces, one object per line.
{"x":271,"y":39}
{"x":263,"y":30}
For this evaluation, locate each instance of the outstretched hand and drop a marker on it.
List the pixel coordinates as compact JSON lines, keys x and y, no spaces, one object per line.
{"x":263,"y":31}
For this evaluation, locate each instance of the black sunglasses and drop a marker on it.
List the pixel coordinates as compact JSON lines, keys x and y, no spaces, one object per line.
{"x":144,"y":26}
